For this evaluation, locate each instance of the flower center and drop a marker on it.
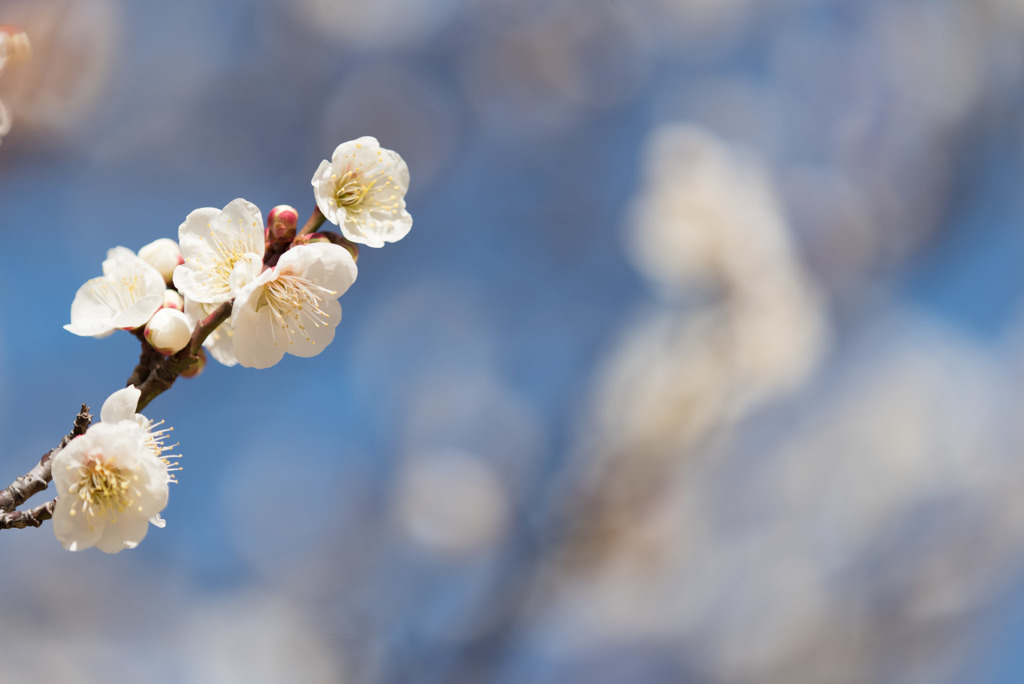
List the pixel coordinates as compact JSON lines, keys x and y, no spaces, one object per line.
{"x":103,"y":490}
{"x":349,"y":191}
{"x":118,"y":295}
{"x":294,"y":303}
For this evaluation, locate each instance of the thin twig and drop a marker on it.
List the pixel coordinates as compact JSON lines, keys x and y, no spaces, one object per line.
{"x":36,"y":480}
{"x":33,"y":517}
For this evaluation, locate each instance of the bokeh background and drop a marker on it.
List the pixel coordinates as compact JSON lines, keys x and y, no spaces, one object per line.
{"x":703,"y":361}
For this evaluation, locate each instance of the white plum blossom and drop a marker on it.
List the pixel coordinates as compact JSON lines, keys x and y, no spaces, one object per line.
{"x":164,"y":255}
{"x":169,"y":331}
{"x":112,"y":482}
{"x":124,"y":297}
{"x":292,"y":307}
{"x":222,"y":251}
{"x":362,"y":190}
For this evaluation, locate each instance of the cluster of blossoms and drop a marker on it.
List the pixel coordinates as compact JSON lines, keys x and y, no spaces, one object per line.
{"x":249,"y":292}
{"x":14,"y":45}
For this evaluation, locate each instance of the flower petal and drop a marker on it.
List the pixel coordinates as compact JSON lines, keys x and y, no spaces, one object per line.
{"x":73,"y":531}
{"x":258,"y":339}
{"x":121,"y":405}
{"x":123,"y":532}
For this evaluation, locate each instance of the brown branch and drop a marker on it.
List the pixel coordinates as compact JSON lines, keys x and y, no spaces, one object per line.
{"x":33,"y":517}
{"x":162,"y":371}
{"x":37,"y":479}
{"x":148,"y":358}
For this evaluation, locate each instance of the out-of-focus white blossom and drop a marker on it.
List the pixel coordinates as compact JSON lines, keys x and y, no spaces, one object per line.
{"x":292,"y":307}
{"x":164,"y":255}
{"x":14,"y":45}
{"x":222,"y":251}
{"x":125,"y":296}
{"x":362,"y":190}
{"x":451,"y":502}
{"x":112,"y":482}
{"x":707,"y":216}
{"x":169,"y":331}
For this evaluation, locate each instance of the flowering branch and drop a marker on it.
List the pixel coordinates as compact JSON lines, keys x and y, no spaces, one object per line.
{"x":272,"y":291}
{"x":37,"y":479}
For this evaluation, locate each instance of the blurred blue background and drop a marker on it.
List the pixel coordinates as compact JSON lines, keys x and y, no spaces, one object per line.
{"x":701,"y":363}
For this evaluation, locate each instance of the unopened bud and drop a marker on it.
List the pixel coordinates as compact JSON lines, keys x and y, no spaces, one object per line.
{"x":197,"y":365}
{"x":168,"y":331}
{"x":164,"y":255}
{"x":173,"y":300}
{"x":281,"y":223}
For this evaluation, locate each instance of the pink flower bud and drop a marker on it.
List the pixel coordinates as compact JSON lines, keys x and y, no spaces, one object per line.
{"x":173,"y":300}
{"x":281,"y":223}
{"x":168,"y":331}
{"x":164,"y":255}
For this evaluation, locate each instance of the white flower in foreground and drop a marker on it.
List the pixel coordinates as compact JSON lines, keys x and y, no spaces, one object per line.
{"x":112,"y":482}
{"x":164,"y":255}
{"x":362,"y":190}
{"x":169,"y":331}
{"x":125,"y":296}
{"x":292,"y":307}
{"x":222,"y":249}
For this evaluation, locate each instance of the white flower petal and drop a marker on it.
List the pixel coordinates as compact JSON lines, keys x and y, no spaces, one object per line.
{"x":329,"y":266}
{"x":123,"y":532}
{"x":258,"y":340}
{"x":121,"y":405}
{"x":317,"y":338}
{"x":125,"y":296}
{"x":73,"y":531}
{"x":139,"y":313}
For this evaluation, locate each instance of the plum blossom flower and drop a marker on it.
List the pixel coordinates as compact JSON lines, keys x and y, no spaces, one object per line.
{"x":362,"y":190}
{"x":222,"y":251}
{"x":112,"y":482}
{"x":125,"y":296}
{"x":293,"y":306}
